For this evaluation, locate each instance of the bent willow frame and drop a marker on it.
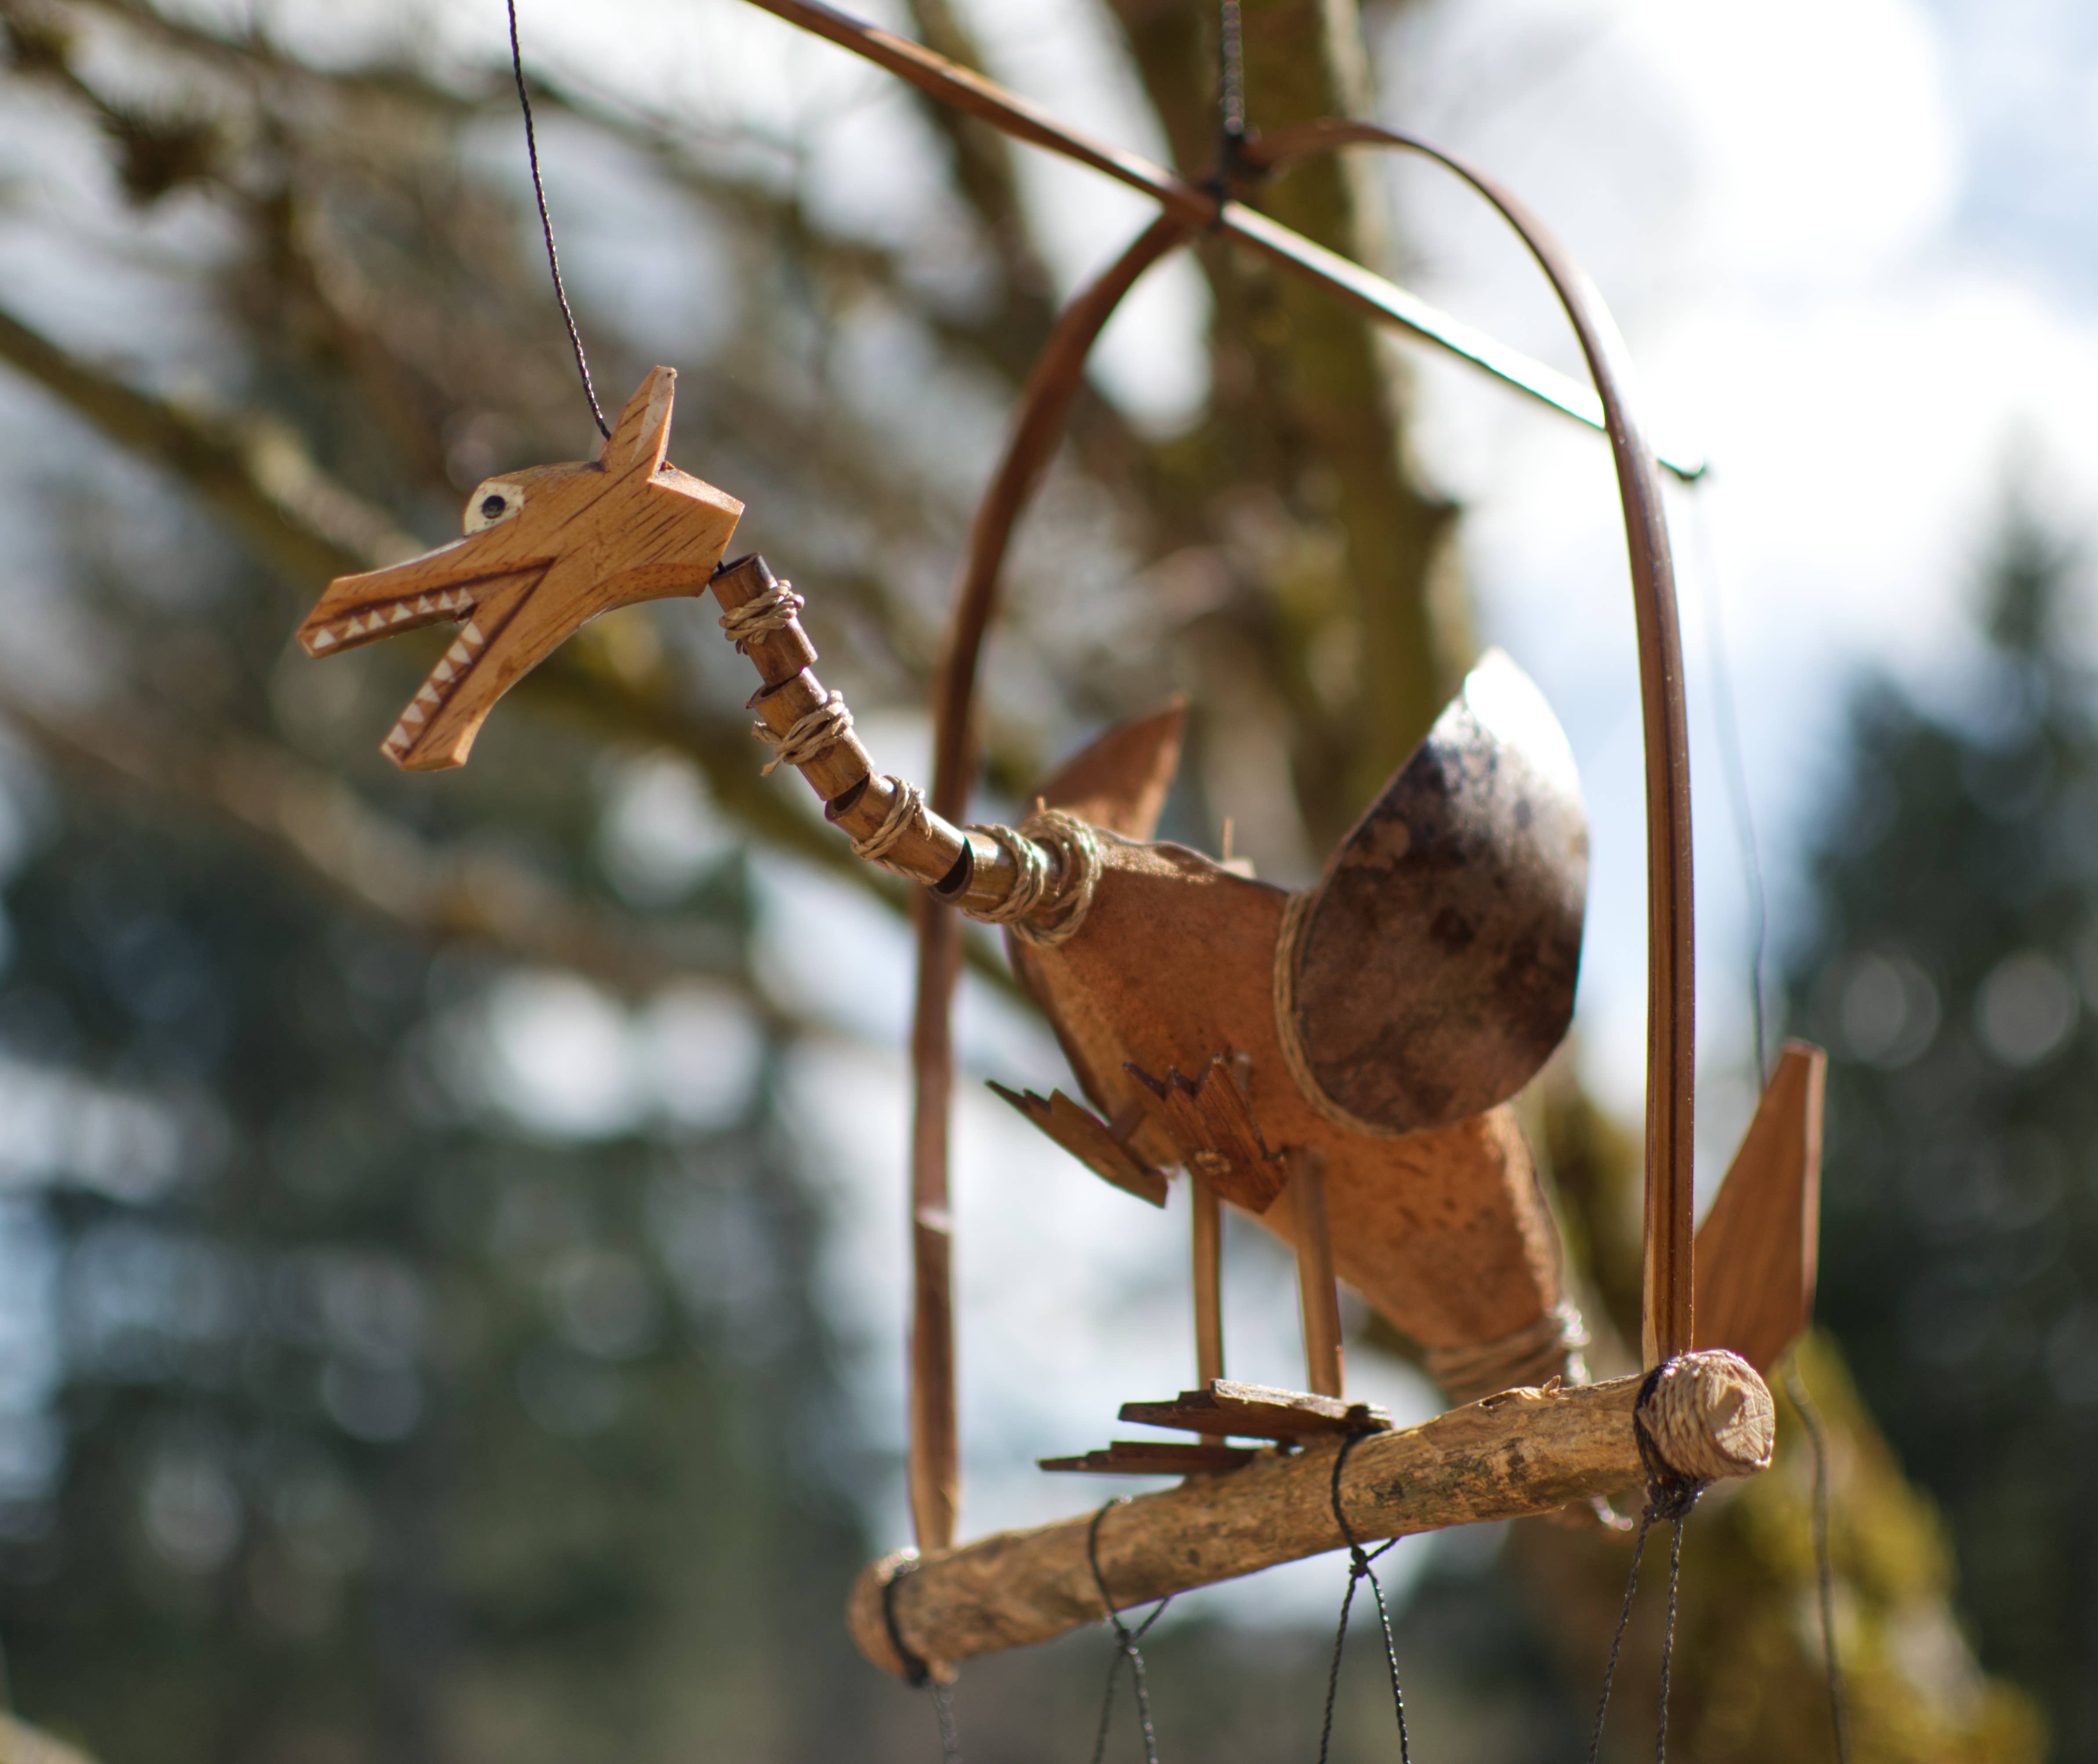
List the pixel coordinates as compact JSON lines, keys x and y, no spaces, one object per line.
{"x":1189,"y":210}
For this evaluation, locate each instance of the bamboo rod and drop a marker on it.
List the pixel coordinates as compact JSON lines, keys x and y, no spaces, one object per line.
{"x":1207,"y":1233}
{"x":1318,"y":1292}
{"x":1206,"y":1240}
{"x":1666,"y":1309}
{"x":1524,"y":1452}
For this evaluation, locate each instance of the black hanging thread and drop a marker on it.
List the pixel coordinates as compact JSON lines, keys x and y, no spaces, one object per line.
{"x":1669,"y":1497}
{"x":546,"y":226}
{"x":1795,"y":1387}
{"x":1359,"y":1570}
{"x":1732,"y":767}
{"x":1735,"y":771}
{"x":916,"y":1672}
{"x":1126,"y":1648}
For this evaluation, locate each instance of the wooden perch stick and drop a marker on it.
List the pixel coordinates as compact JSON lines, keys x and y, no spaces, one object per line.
{"x":1522,"y":1452}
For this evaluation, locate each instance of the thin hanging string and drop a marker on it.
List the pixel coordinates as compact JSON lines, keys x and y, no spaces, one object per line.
{"x":546,"y":226}
{"x":1359,"y":1562}
{"x":943,"y":1711}
{"x":1617,"y":1640}
{"x":1669,"y":1497}
{"x":1731,"y":764}
{"x":917,"y":1672}
{"x":1126,"y":1648}
{"x":1795,"y":1387}
{"x":1231,"y":79}
{"x":1668,"y":1642}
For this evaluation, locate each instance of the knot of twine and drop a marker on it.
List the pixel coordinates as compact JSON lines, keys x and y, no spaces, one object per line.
{"x":774,"y":610}
{"x":906,"y":810}
{"x":829,"y":723}
{"x":1670,"y":1493}
{"x":1528,"y":1356}
{"x":1288,"y":943}
{"x":1059,"y":859}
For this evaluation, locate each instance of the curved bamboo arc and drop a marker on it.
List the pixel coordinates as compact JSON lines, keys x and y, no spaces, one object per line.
{"x":1671,"y":954}
{"x":1198,"y":207}
{"x":935,"y":1446}
{"x":1045,"y":404}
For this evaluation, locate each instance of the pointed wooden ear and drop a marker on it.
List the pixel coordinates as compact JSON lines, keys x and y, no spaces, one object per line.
{"x":1759,"y":1249}
{"x":1121,"y":780}
{"x":642,"y":433}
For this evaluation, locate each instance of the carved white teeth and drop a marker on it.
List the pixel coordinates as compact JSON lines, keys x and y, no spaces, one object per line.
{"x":400,"y":612}
{"x":323,"y":639}
{"x":423,"y":605}
{"x":427,"y":694}
{"x":443,"y":670}
{"x":414,"y":716}
{"x":459,"y":655}
{"x":400,"y":740}
{"x":471,"y":633}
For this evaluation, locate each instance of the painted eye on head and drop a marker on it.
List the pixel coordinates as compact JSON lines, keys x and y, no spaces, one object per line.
{"x":494,"y":501}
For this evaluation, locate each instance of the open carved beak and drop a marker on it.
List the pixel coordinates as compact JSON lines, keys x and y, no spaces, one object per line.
{"x":546,"y":549}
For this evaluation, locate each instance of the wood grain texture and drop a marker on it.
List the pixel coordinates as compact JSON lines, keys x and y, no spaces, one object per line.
{"x":1759,"y":1246}
{"x":1259,"y":1411}
{"x":547,"y":549}
{"x":1155,"y":1457}
{"x":1318,"y":1297}
{"x":1436,"y":960}
{"x":1213,"y":1132}
{"x":1521,"y":1452}
{"x":1442,"y":1232}
{"x":1091,"y":1141}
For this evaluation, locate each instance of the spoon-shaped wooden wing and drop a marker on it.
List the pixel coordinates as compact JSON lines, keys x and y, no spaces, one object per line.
{"x":1434,"y":967}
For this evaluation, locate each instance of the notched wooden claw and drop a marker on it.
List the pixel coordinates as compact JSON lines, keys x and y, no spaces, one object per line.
{"x":1208,"y":1119}
{"x":1094,"y":1142}
{"x":546,"y":549}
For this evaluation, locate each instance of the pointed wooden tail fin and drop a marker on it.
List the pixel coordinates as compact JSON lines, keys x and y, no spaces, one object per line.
{"x":1758,"y":1249}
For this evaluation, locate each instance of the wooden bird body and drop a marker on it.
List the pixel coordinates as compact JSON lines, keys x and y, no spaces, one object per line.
{"x":1461,"y":894}
{"x":547,"y":549}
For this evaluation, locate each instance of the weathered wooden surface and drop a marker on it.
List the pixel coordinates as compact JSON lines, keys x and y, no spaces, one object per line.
{"x":1436,"y":962}
{"x":1093,"y":1142}
{"x":1155,"y":1457}
{"x":1318,"y":1297}
{"x":1442,"y":1230}
{"x":1259,"y":1411}
{"x":1758,"y":1250}
{"x":547,"y":549}
{"x":1523,"y":1451}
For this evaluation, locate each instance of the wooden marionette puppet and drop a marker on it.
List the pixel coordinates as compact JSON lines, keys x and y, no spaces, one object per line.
{"x":1337,"y":1063}
{"x":1354,"y":1044}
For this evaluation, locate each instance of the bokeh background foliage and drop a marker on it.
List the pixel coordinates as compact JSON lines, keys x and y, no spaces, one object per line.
{"x":421,"y":1335}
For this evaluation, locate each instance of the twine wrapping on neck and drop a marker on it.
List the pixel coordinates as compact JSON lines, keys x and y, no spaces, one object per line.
{"x":907,"y":809}
{"x":1059,"y":860}
{"x":813,"y":731}
{"x":1525,"y":1356}
{"x":1288,"y":943}
{"x":774,"y":610}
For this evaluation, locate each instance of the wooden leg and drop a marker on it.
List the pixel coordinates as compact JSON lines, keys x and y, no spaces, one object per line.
{"x":1316,"y":1289}
{"x":1208,"y":1236}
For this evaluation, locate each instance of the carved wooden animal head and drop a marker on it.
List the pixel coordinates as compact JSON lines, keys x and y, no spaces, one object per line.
{"x":547,"y":549}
